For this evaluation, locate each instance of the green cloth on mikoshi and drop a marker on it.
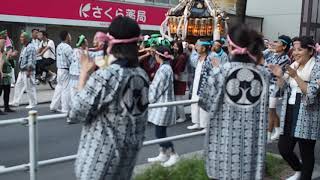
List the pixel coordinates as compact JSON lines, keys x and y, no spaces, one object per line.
{"x":157,"y":40}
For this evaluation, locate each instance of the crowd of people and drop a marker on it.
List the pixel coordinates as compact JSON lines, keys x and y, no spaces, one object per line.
{"x":240,"y":81}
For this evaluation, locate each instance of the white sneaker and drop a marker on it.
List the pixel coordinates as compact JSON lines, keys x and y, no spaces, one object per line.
{"x":180,"y":120}
{"x":162,"y":157}
{"x":174,"y":158}
{"x":194,"y":127}
{"x":14,"y":104}
{"x":12,"y":85}
{"x":30,"y":106}
{"x":296,"y":176}
{"x":276,"y":134}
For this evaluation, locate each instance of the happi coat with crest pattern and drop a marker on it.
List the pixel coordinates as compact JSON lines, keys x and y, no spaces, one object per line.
{"x":113,"y":109}
{"x":236,"y":97}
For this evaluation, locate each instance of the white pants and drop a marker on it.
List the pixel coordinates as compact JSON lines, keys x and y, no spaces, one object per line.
{"x":61,"y":96}
{"x":199,"y":115}
{"x":180,"y":109}
{"x":27,"y":84}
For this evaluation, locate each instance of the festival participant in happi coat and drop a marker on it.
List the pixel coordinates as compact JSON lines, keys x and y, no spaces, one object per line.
{"x":82,"y":45}
{"x":112,"y":104}
{"x":61,"y":97}
{"x":161,"y":91}
{"x":147,"y":57}
{"x":179,"y":67}
{"x":236,"y":97}
{"x":200,"y":60}
{"x":218,"y":53}
{"x":300,"y":115}
{"x":5,"y":76}
{"x":26,"y":76}
{"x":278,"y":54}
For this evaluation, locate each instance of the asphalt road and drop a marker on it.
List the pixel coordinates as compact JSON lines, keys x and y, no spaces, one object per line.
{"x":57,"y":139}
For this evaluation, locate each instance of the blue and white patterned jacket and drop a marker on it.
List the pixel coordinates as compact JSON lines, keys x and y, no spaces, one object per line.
{"x":64,"y":56}
{"x":308,"y":122}
{"x":162,"y":90}
{"x":27,"y":60}
{"x":206,"y":68}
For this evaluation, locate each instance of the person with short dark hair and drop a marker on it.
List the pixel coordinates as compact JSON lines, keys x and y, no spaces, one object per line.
{"x":161,"y":91}
{"x":236,"y":95}
{"x":112,"y":103}
{"x":300,"y":114}
{"x":277,"y":54}
{"x":61,"y":96}
{"x":217,"y":53}
{"x":200,"y":60}
{"x":47,"y":53}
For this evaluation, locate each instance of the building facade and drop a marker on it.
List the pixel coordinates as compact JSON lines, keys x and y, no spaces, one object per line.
{"x":279,"y":16}
{"x":310,"y":19}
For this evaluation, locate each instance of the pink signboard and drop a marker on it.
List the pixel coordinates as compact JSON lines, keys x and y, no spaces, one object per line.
{"x":79,"y":12}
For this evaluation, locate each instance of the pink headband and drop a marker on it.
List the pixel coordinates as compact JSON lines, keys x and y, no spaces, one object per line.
{"x":317,"y":48}
{"x":239,"y":50}
{"x":112,"y":41}
{"x":165,"y":55}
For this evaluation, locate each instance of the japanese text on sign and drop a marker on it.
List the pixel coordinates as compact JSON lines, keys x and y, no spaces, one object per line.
{"x":89,"y":10}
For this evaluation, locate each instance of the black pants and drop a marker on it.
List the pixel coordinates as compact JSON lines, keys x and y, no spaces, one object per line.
{"x":42,"y":65}
{"x":6,"y":95}
{"x":161,"y":132}
{"x":286,"y":148}
{"x":287,"y":142}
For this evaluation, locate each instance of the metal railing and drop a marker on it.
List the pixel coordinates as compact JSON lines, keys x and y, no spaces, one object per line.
{"x":32,"y":122}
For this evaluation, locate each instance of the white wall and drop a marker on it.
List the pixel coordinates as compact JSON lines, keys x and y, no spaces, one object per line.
{"x":280,"y":16}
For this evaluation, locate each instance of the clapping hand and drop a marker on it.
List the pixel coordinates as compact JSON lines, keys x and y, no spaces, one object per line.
{"x":292,"y":72}
{"x":276,"y":70}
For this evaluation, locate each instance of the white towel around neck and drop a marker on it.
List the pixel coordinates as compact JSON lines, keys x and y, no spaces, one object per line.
{"x":304,"y":73}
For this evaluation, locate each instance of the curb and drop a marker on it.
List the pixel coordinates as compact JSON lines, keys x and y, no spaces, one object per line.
{"x":141,"y":168}
{"x":26,"y":104}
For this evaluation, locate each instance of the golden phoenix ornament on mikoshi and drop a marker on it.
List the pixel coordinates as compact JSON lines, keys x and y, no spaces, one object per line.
{"x":194,"y":19}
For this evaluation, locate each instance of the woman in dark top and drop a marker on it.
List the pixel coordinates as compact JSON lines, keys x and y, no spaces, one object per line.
{"x":180,"y":77}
